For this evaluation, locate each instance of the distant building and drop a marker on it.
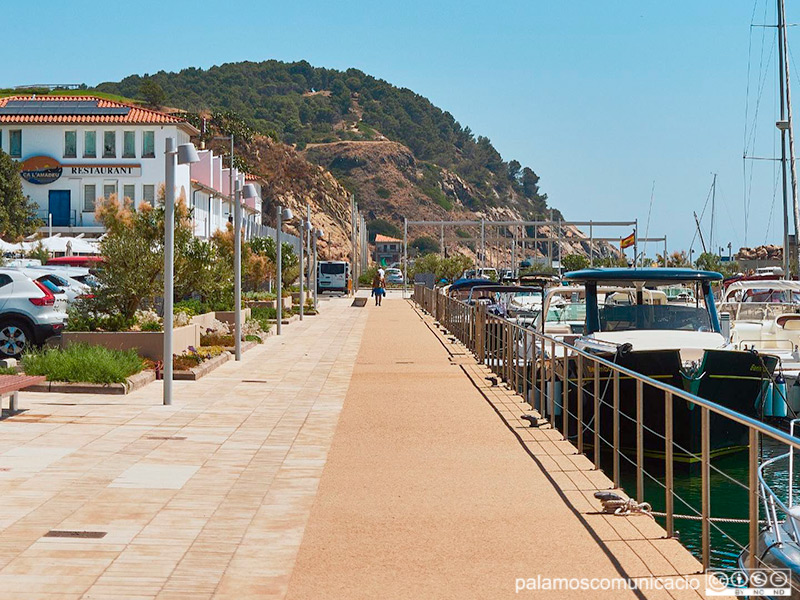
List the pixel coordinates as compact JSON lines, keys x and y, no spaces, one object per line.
{"x":388,"y":250}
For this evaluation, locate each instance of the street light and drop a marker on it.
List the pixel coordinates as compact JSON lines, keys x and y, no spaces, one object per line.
{"x":304,"y":227}
{"x":317,"y":234}
{"x":249,"y":191}
{"x":283,"y":213}
{"x":185,"y":154}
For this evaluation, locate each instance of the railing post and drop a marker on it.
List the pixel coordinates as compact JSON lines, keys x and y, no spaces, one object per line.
{"x":552,"y":396}
{"x":480,"y":333}
{"x":579,"y":407}
{"x":639,"y":441}
{"x":705,"y":485}
{"x":565,"y":397}
{"x":753,"y":498}
{"x":543,"y":388}
{"x":669,"y":500}
{"x":524,"y":334}
{"x":596,"y":416}
{"x":616,"y":429}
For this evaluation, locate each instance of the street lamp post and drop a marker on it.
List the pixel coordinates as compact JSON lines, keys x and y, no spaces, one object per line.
{"x":316,"y":234}
{"x":184,"y":155}
{"x":305,"y":230}
{"x":249,"y":191}
{"x":282,"y":213}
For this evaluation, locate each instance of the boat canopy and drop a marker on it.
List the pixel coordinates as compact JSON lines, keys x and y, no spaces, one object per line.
{"x":653,"y":276}
{"x":768,"y":284}
{"x":465,"y":284}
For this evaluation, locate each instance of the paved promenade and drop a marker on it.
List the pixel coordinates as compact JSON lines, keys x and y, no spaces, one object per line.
{"x":206,"y":498}
{"x":360,"y":455}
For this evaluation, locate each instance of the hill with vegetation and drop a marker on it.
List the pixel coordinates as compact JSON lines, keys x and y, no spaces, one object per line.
{"x":300,"y":105}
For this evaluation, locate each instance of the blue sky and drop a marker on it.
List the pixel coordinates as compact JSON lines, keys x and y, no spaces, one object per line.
{"x":601,"y":99}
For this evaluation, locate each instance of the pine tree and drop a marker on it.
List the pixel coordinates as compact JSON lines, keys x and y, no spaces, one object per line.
{"x":17,"y":212}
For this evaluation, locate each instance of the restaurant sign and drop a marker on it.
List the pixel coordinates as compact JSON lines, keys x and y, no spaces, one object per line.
{"x":42,"y":170}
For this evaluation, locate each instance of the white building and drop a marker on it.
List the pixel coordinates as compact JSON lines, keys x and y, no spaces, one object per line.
{"x":76,"y":149}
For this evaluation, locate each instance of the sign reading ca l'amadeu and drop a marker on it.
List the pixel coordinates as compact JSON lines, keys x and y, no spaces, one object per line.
{"x":42,"y":170}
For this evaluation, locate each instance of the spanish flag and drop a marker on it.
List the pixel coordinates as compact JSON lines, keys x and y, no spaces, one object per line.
{"x":627,"y":242}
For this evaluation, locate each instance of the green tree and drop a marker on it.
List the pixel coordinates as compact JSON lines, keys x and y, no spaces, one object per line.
{"x":709,"y":261}
{"x":38,"y":252}
{"x":152,"y":93}
{"x":383,"y":227}
{"x":426,"y":245}
{"x":17,"y":212}
{"x":574,"y":262}
{"x":290,"y":262}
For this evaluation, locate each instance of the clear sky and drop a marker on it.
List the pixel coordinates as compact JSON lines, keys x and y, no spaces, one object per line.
{"x":601,"y":99}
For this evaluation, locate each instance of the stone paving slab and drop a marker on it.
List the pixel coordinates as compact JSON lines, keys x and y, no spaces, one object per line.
{"x":207,"y":498}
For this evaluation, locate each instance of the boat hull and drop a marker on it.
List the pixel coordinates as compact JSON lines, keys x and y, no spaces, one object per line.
{"x":730,"y":378}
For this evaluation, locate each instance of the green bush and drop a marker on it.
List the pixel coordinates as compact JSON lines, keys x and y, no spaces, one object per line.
{"x":82,"y":317}
{"x":265,"y":316}
{"x":150,"y":326}
{"x":83,"y":363}
{"x":383,"y":192}
{"x":192,"y":307}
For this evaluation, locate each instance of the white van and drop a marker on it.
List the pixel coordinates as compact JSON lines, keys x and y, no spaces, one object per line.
{"x":333,"y":276}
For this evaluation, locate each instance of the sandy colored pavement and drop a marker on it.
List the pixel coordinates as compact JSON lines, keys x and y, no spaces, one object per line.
{"x":207,"y":498}
{"x":434,"y":488}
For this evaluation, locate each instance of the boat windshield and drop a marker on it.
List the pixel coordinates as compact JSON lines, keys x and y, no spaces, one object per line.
{"x":772,"y":296}
{"x":654,"y":316}
{"x":574,"y":311}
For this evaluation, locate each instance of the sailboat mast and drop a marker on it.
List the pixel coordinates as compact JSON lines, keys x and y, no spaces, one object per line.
{"x":713,"y":208}
{"x":792,"y":166}
{"x":785,"y":187}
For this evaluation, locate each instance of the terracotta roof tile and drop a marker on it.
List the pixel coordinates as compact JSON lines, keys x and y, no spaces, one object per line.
{"x":136,"y":115}
{"x":386,"y":238}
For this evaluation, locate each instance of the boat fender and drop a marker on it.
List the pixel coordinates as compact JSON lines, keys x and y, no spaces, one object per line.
{"x":780,"y":400}
{"x":794,"y":396}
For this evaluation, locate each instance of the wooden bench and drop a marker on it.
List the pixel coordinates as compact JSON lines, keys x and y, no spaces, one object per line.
{"x":10,"y":385}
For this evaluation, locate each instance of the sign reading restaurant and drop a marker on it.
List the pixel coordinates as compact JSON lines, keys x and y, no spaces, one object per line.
{"x":42,"y":170}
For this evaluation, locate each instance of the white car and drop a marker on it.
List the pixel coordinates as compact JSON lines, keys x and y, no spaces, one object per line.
{"x":65,"y":289}
{"x":394,"y":276}
{"x":27,"y":313}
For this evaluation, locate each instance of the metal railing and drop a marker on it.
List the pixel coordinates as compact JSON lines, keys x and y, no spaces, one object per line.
{"x":575,"y":392}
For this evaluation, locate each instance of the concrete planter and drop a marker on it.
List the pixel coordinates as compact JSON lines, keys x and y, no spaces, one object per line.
{"x":149,"y":344}
{"x":134,"y":382}
{"x":287,"y":303}
{"x":204,"y":368}
{"x":229,"y":316}
{"x":204,"y":321}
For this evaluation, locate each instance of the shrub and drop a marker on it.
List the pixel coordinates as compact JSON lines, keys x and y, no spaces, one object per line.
{"x":150,"y":326}
{"x":83,"y":363}
{"x":217,"y":339}
{"x":191,"y":307}
{"x":383,"y":193}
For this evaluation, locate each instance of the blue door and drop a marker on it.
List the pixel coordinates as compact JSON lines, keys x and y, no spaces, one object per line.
{"x":59,"y":207}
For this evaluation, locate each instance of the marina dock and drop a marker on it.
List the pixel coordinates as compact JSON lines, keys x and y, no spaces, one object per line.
{"x":363,"y":454}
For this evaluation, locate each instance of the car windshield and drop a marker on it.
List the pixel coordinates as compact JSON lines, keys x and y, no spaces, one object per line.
{"x":649,"y":316}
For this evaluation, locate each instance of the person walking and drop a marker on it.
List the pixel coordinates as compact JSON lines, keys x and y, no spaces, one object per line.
{"x":378,"y":288}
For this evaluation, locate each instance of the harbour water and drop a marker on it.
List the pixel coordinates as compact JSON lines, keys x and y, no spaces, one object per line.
{"x":728,"y":500}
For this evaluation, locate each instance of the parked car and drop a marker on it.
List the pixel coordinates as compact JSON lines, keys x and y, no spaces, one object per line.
{"x":65,"y":289}
{"x":394,"y":276}
{"x":27,"y":313}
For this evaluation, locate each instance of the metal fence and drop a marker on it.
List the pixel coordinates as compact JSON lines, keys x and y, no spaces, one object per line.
{"x":570,"y":389}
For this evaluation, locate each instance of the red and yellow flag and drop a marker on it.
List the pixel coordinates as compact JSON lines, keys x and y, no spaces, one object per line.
{"x":629,"y":241}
